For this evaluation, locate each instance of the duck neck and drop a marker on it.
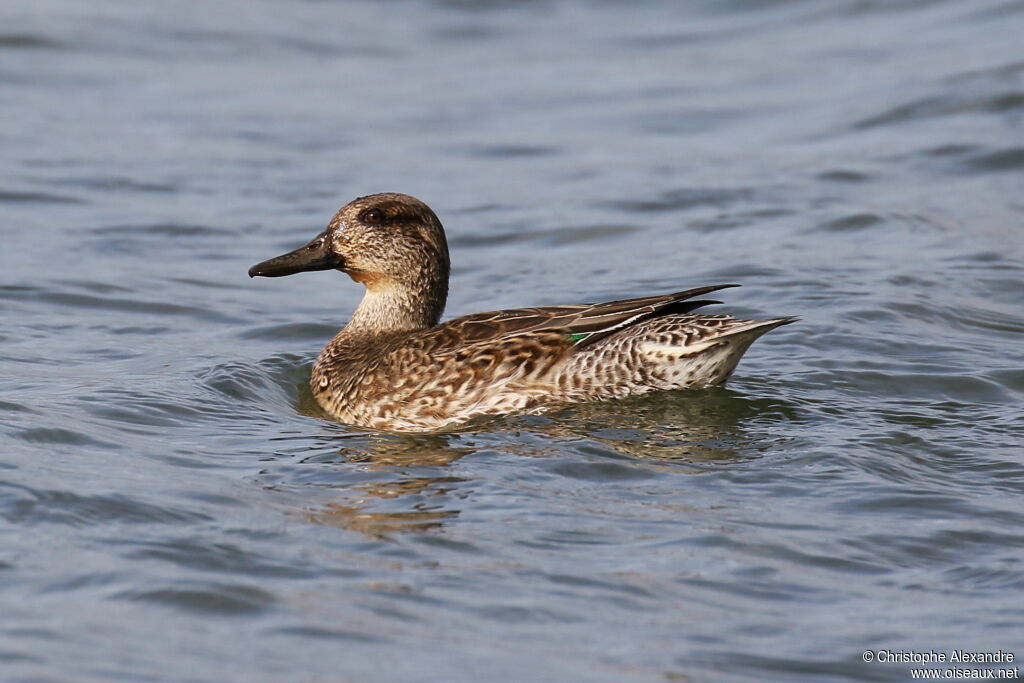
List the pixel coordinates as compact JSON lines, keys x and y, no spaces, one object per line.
{"x":392,"y":307}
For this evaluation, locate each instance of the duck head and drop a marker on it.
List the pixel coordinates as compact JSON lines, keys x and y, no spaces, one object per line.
{"x":393,"y":244}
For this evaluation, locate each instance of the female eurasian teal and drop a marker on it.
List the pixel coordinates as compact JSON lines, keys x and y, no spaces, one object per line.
{"x":395,"y":367}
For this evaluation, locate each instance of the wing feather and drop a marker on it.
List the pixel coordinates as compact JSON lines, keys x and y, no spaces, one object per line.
{"x":584,"y":323}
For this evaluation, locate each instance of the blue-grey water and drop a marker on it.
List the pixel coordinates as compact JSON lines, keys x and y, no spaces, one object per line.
{"x":174,"y":507}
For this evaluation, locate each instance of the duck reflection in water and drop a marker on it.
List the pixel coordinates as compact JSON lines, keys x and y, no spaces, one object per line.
{"x":647,"y":433}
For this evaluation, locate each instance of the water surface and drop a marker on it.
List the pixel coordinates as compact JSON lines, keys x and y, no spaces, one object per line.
{"x":175,"y":508}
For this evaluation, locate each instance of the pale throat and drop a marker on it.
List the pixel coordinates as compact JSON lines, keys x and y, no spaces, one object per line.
{"x":389,"y":306}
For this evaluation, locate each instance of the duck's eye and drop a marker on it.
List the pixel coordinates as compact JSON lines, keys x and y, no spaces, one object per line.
{"x":373,"y":216}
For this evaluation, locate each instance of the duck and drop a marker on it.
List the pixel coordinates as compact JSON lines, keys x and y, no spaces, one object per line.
{"x":396,"y":367}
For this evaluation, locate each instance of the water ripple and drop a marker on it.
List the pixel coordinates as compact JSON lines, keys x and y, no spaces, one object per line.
{"x":28,"y":506}
{"x":224,"y":599}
